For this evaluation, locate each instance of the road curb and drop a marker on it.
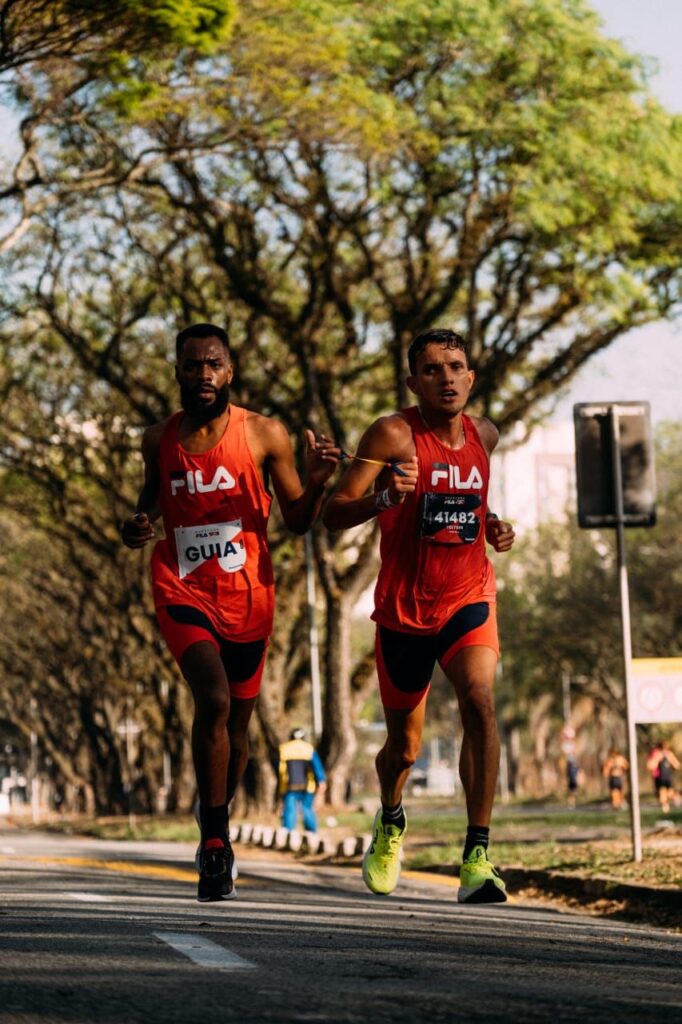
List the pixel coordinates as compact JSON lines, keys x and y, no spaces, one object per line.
{"x":293,"y":841}
{"x":593,"y":888}
{"x":552,"y":883}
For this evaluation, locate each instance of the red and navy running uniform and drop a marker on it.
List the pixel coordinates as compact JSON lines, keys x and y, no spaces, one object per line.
{"x":212,"y":576}
{"x":436,"y":589}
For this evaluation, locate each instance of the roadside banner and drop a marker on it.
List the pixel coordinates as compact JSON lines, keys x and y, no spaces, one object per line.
{"x":657,"y":690}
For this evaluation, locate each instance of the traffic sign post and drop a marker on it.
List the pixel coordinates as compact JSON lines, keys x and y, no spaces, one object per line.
{"x":635,"y":818}
{"x":614,"y":467}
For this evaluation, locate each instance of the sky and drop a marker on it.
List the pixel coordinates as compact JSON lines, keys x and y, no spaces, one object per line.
{"x":645,"y":364}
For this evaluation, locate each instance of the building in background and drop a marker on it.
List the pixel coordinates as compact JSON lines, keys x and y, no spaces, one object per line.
{"x":533,"y":479}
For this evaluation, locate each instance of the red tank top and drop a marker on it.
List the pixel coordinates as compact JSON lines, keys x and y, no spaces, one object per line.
{"x":433,"y":558}
{"x":215,"y":512}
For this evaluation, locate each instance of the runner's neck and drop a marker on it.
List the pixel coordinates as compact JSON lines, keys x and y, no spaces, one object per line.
{"x":201,"y":438}
{"x":449,"y":432}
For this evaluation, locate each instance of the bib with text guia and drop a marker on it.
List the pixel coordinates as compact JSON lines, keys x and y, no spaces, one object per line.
{"x":215,"y":548}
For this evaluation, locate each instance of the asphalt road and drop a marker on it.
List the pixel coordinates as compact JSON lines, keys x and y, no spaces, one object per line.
{"x":95,"y":932}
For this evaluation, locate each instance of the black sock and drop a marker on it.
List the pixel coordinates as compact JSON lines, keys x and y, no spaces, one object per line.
{"x":213,"y":822}
{"x":393,"y":815}
{"x":477,"y":835}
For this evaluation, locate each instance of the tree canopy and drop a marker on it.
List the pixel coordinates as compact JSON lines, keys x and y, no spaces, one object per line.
{"x":34,"y":31}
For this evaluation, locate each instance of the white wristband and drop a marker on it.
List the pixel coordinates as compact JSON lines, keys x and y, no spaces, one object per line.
{"x":383,"y":501}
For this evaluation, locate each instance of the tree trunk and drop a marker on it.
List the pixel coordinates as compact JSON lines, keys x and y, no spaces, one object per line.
{"x":105,"y":776}
{"x":341,"y":593}
{"x":338,"y":744}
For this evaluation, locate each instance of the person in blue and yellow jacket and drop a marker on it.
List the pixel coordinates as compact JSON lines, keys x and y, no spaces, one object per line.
{"x":301,"y":776}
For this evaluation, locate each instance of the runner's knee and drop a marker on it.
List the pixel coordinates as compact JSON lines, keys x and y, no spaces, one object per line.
{"x":204,"y":671}
{"x":477,"y":707}
{"x":212,"y":704}
{"x":400,"y":756}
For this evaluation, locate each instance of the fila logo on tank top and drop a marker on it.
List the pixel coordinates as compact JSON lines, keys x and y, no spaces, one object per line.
{"x":215,"y":508}
{"x":451,"y":510}
{"x":194,"y":481}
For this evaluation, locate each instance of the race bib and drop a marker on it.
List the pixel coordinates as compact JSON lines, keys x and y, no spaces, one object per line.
{"x":450,"y":518}
{"x":218,"y":544}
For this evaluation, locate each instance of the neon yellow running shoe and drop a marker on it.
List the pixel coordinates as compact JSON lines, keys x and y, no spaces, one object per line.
{"x":381,"y":863}
{"x":479,"y":882}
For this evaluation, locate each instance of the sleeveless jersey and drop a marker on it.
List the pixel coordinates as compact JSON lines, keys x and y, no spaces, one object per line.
{"x":215,"y":512}
{"x":433,"y":557}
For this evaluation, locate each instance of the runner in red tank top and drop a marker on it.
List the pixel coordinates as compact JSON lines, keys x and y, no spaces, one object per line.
{"x":435,"y":594}
{"x":211,"y":573}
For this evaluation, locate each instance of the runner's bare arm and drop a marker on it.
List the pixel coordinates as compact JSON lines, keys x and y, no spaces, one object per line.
{"x":299,"y":504}
{"x":487,"y":432}
{"x":138,"y":530}
{"x":389,"y":439}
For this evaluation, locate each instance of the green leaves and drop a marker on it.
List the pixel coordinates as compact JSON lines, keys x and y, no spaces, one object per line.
{"x":152,"y":25}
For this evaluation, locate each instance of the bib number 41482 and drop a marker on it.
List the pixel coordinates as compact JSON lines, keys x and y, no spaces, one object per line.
{"x":450,"y":518}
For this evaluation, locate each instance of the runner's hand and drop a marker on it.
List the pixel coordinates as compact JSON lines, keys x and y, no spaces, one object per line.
{"x":499,"y":534}
{"x":406,"y":484}
{"x":137,"y":531}
{"x":322,"y":457}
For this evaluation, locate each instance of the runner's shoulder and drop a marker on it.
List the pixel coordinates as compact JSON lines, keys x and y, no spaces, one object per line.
{"x":267,"y":426}
{"x":257,"y":419}
{"x":267,"y":433}
{"x":151,"y":436}
{"x":392,"y":430}
{"x":487,"y":432}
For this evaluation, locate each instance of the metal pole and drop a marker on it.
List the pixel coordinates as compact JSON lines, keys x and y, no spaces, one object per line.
{"x":166,"y":763}
{"x":129,"y":733}
{"x":316,"y":690}
{"x":432,"y":777}
{"x":566,"y":691}
{"x":35,"y":782}
{"x":626,"y":634}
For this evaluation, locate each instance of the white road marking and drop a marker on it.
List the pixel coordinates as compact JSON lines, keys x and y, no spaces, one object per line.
{"x":204,"y":952}
{"x":87,"y":897}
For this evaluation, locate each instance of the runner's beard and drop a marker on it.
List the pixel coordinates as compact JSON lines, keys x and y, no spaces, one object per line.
{"x":200,"y":411}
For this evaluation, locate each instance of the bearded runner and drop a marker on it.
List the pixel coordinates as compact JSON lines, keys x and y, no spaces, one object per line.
{"x":206,"y":468}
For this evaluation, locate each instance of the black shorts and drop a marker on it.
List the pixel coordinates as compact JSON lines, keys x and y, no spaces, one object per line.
{"x":615,"y":782}
{"x":183,"y":625}
{"x":405,"y":661}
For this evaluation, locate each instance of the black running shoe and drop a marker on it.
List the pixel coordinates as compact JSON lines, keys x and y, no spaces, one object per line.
{"x":215,"y":872}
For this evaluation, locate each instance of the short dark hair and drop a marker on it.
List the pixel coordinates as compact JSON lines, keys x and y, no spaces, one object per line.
{"x":437,"y":336}
{"x":201,"y":331}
